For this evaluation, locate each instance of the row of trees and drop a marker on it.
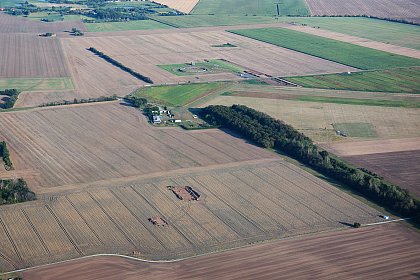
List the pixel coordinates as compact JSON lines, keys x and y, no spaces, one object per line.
{"x":271,"y":133}
{"x":121,"y":66}
{"x":14,"y":191}
{"x":5,"y":155}
{"x":138,"y":102}
{"x":80,"y":101}
{"x":12,"y":97}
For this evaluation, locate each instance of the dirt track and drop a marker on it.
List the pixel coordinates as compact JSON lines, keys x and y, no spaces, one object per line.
{"x":378,"y":252}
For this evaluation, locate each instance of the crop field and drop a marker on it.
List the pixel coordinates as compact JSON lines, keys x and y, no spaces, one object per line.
{"x":408,"y":10}
{"x":13,"y":24}
{"x":341,"y":52}
{"x":213,"y":20}
{"x":394,"y":80}
{"x":394,"y":33}
{"x":123,"y":26}
{"x":316,"y":120}
{"x":238,"y":205}
{"x":36,"y":84}
{"x":341,"y":252}
{"x":202,"y":67}
{"x":63,"y":145}
{"x":184,"y":6}
{"x":143,"y":53}
{"x":178,"y":95}
{"x":31,"y":56}
{"x":244,"y":7}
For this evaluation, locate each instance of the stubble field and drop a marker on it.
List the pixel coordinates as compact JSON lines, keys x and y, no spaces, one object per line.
{"x":184,"y":6}
{"x":239,"y":205}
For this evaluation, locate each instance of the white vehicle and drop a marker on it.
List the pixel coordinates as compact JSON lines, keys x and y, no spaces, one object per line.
{"x":195,"y":116}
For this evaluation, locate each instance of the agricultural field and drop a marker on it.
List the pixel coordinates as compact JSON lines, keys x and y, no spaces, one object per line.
{"x":341,"y":253}
{"x":395,"y":80}
{"x":337,"y":51}
{"x":244,"y":7}
{"x":124,"y":26}
{"x":394,"y":33}
{"x":30,"y":56}
{"x":143,"y":53}
{"x":408,"y":10}
{"x":36,"y":84}
{"x":13,"y":24}
{"x":202,"y":67}
{"x":189,"y":21}
{"x":62,"y":144}
{"x":184,"y":6}
{"x":394,"y":159}
{"x":317,"y":120}
{"x":180,"y":94}
{"x":239,"y":204}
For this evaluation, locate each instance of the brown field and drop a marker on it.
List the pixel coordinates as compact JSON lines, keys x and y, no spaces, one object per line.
{"x":358,"y":41}
{"x":144,"y":52}
{"x":13,"y":24}
{"x":315,"y":119}
{"x":86,"y":143}
{"x":408,"y":10}
{"x":400,"y":168}
{"x":30,"y":56}
{"x":239,"y":204}
{"x":184,"y":6}
{"x":381,"y":252}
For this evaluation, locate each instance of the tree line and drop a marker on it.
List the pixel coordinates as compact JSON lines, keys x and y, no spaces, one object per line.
{"x":121,"y":66}
{"x":5,"y":155}
{"x":80,"y":101}
{"x":14,"y":191}
{"x":271,"y":133}
{"x":12,"y":97}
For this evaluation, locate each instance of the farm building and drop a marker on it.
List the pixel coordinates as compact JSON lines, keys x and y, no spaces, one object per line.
{"x":156,"y":119}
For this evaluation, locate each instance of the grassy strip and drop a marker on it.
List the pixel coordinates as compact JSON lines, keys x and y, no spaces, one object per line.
{"x":333,"y":50}
{"x":356,"y":101}
{"x":121,"y":66}
{"x":177,"y":95}
{"x":15,"y":191}
{"x":5,"y":155}
{"x":394,"y":80}
{"x":271,"y":133}
{"x":35,"y":84}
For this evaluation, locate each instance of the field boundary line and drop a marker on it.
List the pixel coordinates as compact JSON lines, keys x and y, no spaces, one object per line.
{"x":195,"y":256}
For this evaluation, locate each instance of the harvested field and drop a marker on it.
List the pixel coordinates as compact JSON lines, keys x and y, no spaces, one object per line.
{"x":143,"y":53}
{"x":13,"y":24}
{"x":86,"y":143}
{"x":316,"y":119}
{"x":239,"y":204}
{"x":122,"y":26}
{"x":372,"y":250}
{"x":184,"y":6}
{"x":407,"y":10}
{"x":30,"y":56}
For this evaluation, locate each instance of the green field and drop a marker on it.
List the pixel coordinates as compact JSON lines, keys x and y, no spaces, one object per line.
{"x":356,"y":129}
{"x":211,"y":20}
{"x":254,"y":7}
{"x":9,"y":3}
{"x":341,"y":52}
{"x":34,"y":84}
{"x":406,"y":35}
{"x":53,"y":16}
{"x":209,"y":67}
{"x":360,"y":101}
{"x":123,"y":26}
{"x":177,"y":95}
{"x":404,"y":80}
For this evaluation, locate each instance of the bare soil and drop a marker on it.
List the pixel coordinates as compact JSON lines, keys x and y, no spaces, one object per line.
{"x":381,"y":252}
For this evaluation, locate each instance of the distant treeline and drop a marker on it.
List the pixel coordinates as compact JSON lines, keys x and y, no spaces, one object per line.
{"x":121,"y":66}
{"x":5,"y":155}
{"x":14,"y":191}
{"x":80,"y":101}
{"x":12,"y":94}
{"x":271,"y":133}
{"x":398,"y":20}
